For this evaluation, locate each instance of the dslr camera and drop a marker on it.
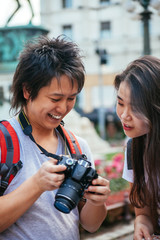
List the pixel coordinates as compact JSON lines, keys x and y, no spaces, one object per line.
{"x":78,"y":176}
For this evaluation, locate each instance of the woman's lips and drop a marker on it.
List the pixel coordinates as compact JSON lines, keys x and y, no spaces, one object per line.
{"x":127,"y":127}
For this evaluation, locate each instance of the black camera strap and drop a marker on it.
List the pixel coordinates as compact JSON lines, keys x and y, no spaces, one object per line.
{"x":27,"y":129}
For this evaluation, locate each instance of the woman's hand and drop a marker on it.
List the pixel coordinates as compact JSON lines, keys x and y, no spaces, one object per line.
{"x":141,"y":232}
{"x":143,"y":227}
{"x":98,"y":192}
{"x":50,"y":176}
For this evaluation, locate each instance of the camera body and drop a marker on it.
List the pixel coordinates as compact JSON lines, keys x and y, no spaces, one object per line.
{"x":78,"y":176}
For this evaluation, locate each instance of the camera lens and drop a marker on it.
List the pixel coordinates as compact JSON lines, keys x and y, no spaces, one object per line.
{"x":68,"y":195}
{"x":63,"y":205}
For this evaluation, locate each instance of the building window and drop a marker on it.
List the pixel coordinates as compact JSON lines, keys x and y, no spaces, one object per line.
{"x":103,"y":56}
{"x":105,"y":2}
{"x":67,"y":31}
{"x":67,"y":3}
{"x":105,"y":31}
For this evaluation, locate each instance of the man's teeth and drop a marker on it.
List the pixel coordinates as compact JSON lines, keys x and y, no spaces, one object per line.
{"x":55,"y":116}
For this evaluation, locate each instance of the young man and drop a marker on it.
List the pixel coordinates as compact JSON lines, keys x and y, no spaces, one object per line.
{"x":47,"y":80}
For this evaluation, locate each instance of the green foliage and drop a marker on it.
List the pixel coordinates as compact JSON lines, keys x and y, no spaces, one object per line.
{"x":109,"y":156}
{"x":118,"y":184}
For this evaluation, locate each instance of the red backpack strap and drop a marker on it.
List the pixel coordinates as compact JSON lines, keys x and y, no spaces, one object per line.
{"x":10,"y":155}
{"x":72,"y":143}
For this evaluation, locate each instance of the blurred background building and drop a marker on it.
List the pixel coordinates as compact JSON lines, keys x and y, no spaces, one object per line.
{"x":110,"y":33}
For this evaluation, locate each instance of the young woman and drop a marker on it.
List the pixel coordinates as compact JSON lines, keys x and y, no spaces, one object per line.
{"x":138,"y":107}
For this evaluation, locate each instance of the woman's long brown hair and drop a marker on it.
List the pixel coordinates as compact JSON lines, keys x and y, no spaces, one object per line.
{"x":143,"y":78}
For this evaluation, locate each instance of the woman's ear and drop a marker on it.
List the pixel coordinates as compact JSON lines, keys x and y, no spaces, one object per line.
{"x":26,"y":93}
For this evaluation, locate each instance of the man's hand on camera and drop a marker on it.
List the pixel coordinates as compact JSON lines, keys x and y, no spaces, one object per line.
{"x":50,"y":176}
{"x":98,"y":192}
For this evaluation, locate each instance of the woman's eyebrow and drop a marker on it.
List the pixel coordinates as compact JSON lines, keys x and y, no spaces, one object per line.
{"x":119,"y":98}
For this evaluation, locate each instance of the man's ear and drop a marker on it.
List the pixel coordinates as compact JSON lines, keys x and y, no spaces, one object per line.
{"x":25,"y":93}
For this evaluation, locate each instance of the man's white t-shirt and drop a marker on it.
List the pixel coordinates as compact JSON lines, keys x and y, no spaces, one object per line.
{"x":42,"y":220}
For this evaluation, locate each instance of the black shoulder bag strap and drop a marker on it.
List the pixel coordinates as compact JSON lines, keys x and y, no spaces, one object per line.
{"x":129,"y":152}
{"x":10,"y":162}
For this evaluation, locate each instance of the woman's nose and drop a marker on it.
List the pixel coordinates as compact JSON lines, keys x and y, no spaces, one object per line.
{"x":126,"y":115}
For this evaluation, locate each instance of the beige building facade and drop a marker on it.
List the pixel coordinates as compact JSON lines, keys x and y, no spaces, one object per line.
{"x":109,"y":25}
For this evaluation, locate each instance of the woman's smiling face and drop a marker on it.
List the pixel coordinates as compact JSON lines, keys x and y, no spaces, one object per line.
{"x":133,"y":125}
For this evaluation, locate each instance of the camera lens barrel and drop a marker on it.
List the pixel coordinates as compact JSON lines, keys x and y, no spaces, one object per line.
{"x":68,"y":195}
{"x":63,"y":205}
